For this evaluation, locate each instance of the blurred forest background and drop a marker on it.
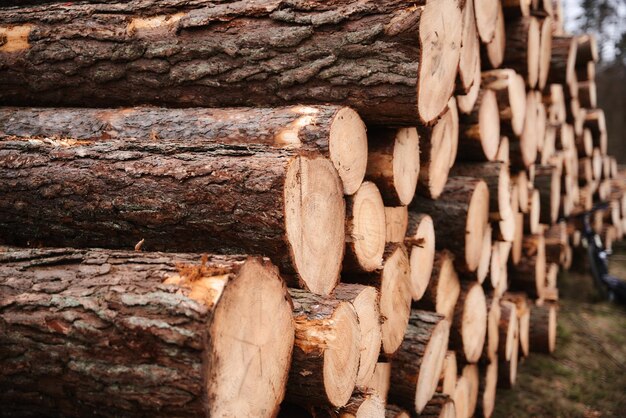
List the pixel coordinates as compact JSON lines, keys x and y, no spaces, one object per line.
{"x":607,"y":19}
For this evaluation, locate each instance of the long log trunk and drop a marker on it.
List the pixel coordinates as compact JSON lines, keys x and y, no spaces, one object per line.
{"x":335,"y":132}
{"x":261,"y":53}
{"x":524,"y":151}
{"x":479,"y":131}
{"x":509,"y":330}
{"x":438,"y":149}
{"x":365,"y":300}
{"x":492,"y":341}
{"x":420,"y":243}
{"x":523,"y":42}
{"x":417,"y":365}
{"x":326,"y":352}
{"x":392,"y":282}
{"x":393,"y":163}
{"x":443,"y":287}
{"x":511,"y":98}
{"x":461,"y":215}
{"x":469,"y":323}
{"x":543,"y":328}
{"x":366,"y":230}
{"x":141,"y":334}
{"x":229,"y":198}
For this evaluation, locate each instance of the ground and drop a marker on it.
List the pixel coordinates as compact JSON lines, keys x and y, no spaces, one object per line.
{"x":586,"y":376}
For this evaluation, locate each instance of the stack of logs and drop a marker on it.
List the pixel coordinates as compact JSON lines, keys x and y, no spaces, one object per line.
{"x":404,"y":179}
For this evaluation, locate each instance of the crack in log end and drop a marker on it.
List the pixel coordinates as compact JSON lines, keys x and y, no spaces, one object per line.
{"x":313,"y":335}
{"x":15,"y":38}
{"x":154,"y":25}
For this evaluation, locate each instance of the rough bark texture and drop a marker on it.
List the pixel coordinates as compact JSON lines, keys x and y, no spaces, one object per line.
{"x":479,"y":131}
{"x":464,"y":308}
{"x":496,"y":175}
{"x":301,"y":129}
{"x":443,"y":288}
{"x":517,"y":55}
{"x":440,"y":406}
{"x":176,"y":195}
{"x":529,"y":274}
{"x":99,"y":333}
{"x":221,"y":53}
{"x":548,"y":181}
{"x":407,"y":362}
{"x":540,"y":334}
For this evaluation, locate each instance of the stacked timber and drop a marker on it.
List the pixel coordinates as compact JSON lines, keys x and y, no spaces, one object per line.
{"x":361,"y":205}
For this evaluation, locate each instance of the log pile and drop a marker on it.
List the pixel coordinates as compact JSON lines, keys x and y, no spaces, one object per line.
{"x":330,"y":209}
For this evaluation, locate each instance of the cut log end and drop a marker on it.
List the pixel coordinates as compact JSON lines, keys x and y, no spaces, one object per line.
{"x":315,"y":222}
{"x":406,"y":164}
{"x":477,"y":220}
{"x":432,"y":364}
{"x":489,"y":124}
{"x":448,"y":286}
{"x":421,"y":247}
{"x":470,"y":48}
{"x":441,"y":153}
{"x":533,"y":54}
{"x":367,"y":229}
{"x":474,"y":323}
{"x":471,"y":373}
{"x":495,"y":48}
{"x":256,"y":326}
{"x":486,"y":18}
{"x":440,"y":41}
{"x":395,"y":299}
{"x":348,"y":148}
{"x":466,"y":102}
{"x":545,"y":52}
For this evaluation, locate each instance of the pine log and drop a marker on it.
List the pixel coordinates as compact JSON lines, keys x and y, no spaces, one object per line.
{"x":548,"y":181}
{"x":392,"y":282}
{"x":381,"y":379}
{"x":479,"y":131}
{"x":440,"y":406}
{"x":487,"y":389}
{"x":336,"y":132}
{"x":471,"y":373}
{"x":365,"y":300}
{"x":469,"y":323}
{"x":529,"y":275}
{"x":587,"y":49}
{"x":229,"y":198}
{"x":486,"y":18}
{"x":366,"y":230}
{"x":443,"y":287}
{"x":492,"y":53}
{"x":326,"y":353}
{"x":495,"y":265}
{"x":481,"y":273}
{"x":449,"y":371}
{"x":393,"y":163}
{"x":438,"y":145}
{"x":516,"y":8}
{"x":543,"y":325}
{"x":545,"y":50}
{"x":563,"y":62}
{"x":420,"y":243}
{"x":417,"y":365}
{"x":461,"y":215}
{"x":523,"y":45}
{"x":466,"y":102}
{"x":396,"y":223}
{"x":470,"y":49}
{"x":203,"y":54}
{"x":141,"y":334}
{"x":511,"y":98}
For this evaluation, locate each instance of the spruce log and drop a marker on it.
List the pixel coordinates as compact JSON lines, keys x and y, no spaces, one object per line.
{"x":470,"y":49}
{"x":336,"y":132}
{"x":141,"y":334}
{"x":469,"y":323}
{"x":545,"y":50}
{"x":511,"y":98}
{"x":443,"y":287}
{"x":529,"y":275}
{"x":396,"y":223}
{"x":392,"y":282}
{"x":393,"y":163}
{"x":395,"y":63}
{"x":235,"y":199}
{"x":438,"y":149}
{"x":440,"y":406}
{"x":523,"y":43}
{"x":543,"y":325}
{"x":479,"y":131}
{"x":461,"y":215}
{"x":417,"y":365}
{"x":487,"y":389}
{"x":365,"y":300}
{"x":366,"y":230}
{"x":492,"y":53}
{"x":420,"y":243}
{"x":326,"y":352}
{"x":486,"y":12}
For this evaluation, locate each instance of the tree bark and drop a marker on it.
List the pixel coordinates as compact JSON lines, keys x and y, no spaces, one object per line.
{"x":378,"y":58}
{"x":548,"y":181}
{"x":235,"y":199}
{"x":461,"y":215}
{"x":440,"y":406}
{"x":337,"y":133}
{"x":516,"y":8}
{"x":479,"y":131}
{"x":522,"y":48}
{"x":422,"y":352}
{"x":587,"y":49}
{"x":326,"y":351}
{"x":118,"y":333}
{"x":543,"y":328}
{"x":396,"y":223}
{"x":443,"y":288}
{"x":511,"y":98}
{"x":469,"y":323}
{"x":529,"y":274}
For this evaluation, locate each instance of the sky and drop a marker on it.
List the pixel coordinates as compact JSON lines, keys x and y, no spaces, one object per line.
{"x":572,"y":11}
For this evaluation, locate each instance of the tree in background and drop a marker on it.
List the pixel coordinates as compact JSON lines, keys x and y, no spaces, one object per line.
{"x":607,"y":19}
